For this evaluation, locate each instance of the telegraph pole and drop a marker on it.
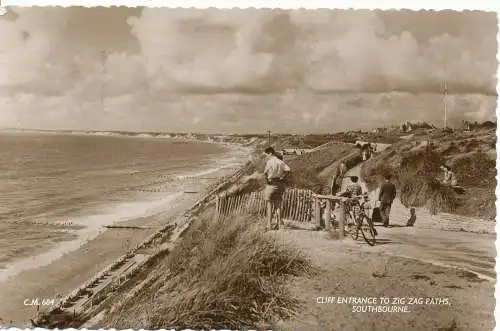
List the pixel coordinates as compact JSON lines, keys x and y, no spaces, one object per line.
{"x":445,"y":104}
{"x":445,"y":95}
{"x":104,"y":56}
{"x":3,"y":10}
{"x":269,"y":137}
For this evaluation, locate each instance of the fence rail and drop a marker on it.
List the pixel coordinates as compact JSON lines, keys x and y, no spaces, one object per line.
{"x":298,"y":205}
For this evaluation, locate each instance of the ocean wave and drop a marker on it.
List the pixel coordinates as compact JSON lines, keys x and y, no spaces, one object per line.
{"x":93,"y":226}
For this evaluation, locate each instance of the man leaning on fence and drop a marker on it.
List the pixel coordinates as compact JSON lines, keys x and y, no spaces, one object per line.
{"x":275,"y":171}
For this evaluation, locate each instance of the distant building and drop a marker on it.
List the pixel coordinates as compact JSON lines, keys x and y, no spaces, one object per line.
{"x":466,"y":125}
{"x":380,"y":130}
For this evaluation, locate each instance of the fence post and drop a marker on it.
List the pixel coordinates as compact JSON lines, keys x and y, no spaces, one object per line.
{"x":342,"y":219}
{"x":317,"y":212}
{"x":217,"y":207}
{"x":328,"y":212}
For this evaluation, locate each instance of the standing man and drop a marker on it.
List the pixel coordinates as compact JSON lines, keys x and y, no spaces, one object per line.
{"x":337,"y":178}
{"x":364,"y":152}
{"x":275,"y":172}
{"x":353,"y":189}
{"x":386,"y":196}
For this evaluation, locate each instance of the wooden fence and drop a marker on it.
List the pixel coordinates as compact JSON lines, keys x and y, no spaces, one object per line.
{"x":297,"y":205}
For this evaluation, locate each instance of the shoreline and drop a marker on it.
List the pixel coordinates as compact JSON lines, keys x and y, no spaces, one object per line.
{"x":73,"y":268}
{"x":84,"y":225}
{"x":128,"y":134}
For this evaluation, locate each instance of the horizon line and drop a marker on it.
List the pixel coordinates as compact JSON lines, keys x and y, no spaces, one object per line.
{"x":263,"y":133}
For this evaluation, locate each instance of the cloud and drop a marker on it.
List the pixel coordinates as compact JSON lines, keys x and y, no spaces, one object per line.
{"x":353,"y":51}
{"x":241,"y":70}
{"x":200,"y":48}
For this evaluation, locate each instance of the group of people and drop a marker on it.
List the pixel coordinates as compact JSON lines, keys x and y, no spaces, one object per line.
{"x":386,"y":196}
{"x":276,"y":172}
{"x":367,"y":149}
{"x":448,"y":176}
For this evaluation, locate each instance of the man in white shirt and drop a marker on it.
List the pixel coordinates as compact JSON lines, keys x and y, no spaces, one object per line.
{"x":275,"y":172}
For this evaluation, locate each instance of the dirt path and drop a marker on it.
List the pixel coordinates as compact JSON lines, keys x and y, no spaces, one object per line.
{"x":438,"y":238}
{"x":441,"y":221}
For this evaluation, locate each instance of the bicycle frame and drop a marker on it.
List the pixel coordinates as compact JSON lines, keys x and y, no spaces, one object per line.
{"x":357,"y":211}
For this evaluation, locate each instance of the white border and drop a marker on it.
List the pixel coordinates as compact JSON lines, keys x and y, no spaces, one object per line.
{"x":497,"y":218}
{"x":484,"y":5}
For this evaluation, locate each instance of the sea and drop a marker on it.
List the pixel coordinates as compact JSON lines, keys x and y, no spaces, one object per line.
{"x":55,"y":188}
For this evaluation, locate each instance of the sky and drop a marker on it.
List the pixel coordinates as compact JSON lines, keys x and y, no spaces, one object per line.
{"x":243,"y":70}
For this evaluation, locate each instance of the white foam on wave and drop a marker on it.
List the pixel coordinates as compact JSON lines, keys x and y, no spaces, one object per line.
{"x":234,"y":159}
{"x":94,"y":226}
{"x":199,"y":173}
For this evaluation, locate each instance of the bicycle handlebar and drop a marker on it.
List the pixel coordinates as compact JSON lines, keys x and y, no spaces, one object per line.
{"x":359,"y":196}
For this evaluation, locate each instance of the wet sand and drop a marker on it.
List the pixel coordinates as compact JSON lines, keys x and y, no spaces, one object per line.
{"x":38,"y":238}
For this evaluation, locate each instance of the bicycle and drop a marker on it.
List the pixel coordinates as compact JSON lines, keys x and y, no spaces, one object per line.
{"x":357,"y":220}
{"x":364,"y":223}
{"x":350,"y":216}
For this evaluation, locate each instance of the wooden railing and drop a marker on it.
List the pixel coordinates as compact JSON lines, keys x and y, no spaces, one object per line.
{"x":330,"y":201}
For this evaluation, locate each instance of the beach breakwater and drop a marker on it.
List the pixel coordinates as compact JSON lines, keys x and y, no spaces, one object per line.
{"x":86,"y":301}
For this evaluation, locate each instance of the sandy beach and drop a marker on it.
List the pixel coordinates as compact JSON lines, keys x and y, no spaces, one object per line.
{"x":59,"y":269}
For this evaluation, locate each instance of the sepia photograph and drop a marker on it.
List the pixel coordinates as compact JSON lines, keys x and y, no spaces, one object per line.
{"x":257,"y":169}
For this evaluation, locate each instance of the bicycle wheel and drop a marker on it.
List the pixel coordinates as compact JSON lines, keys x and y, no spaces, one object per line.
{"x":354,"y":213}
{"x":367,"y":230}
{"x":352,"y":226}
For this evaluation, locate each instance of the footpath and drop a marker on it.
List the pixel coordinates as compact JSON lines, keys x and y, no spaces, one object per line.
{"x":441,"y":239}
